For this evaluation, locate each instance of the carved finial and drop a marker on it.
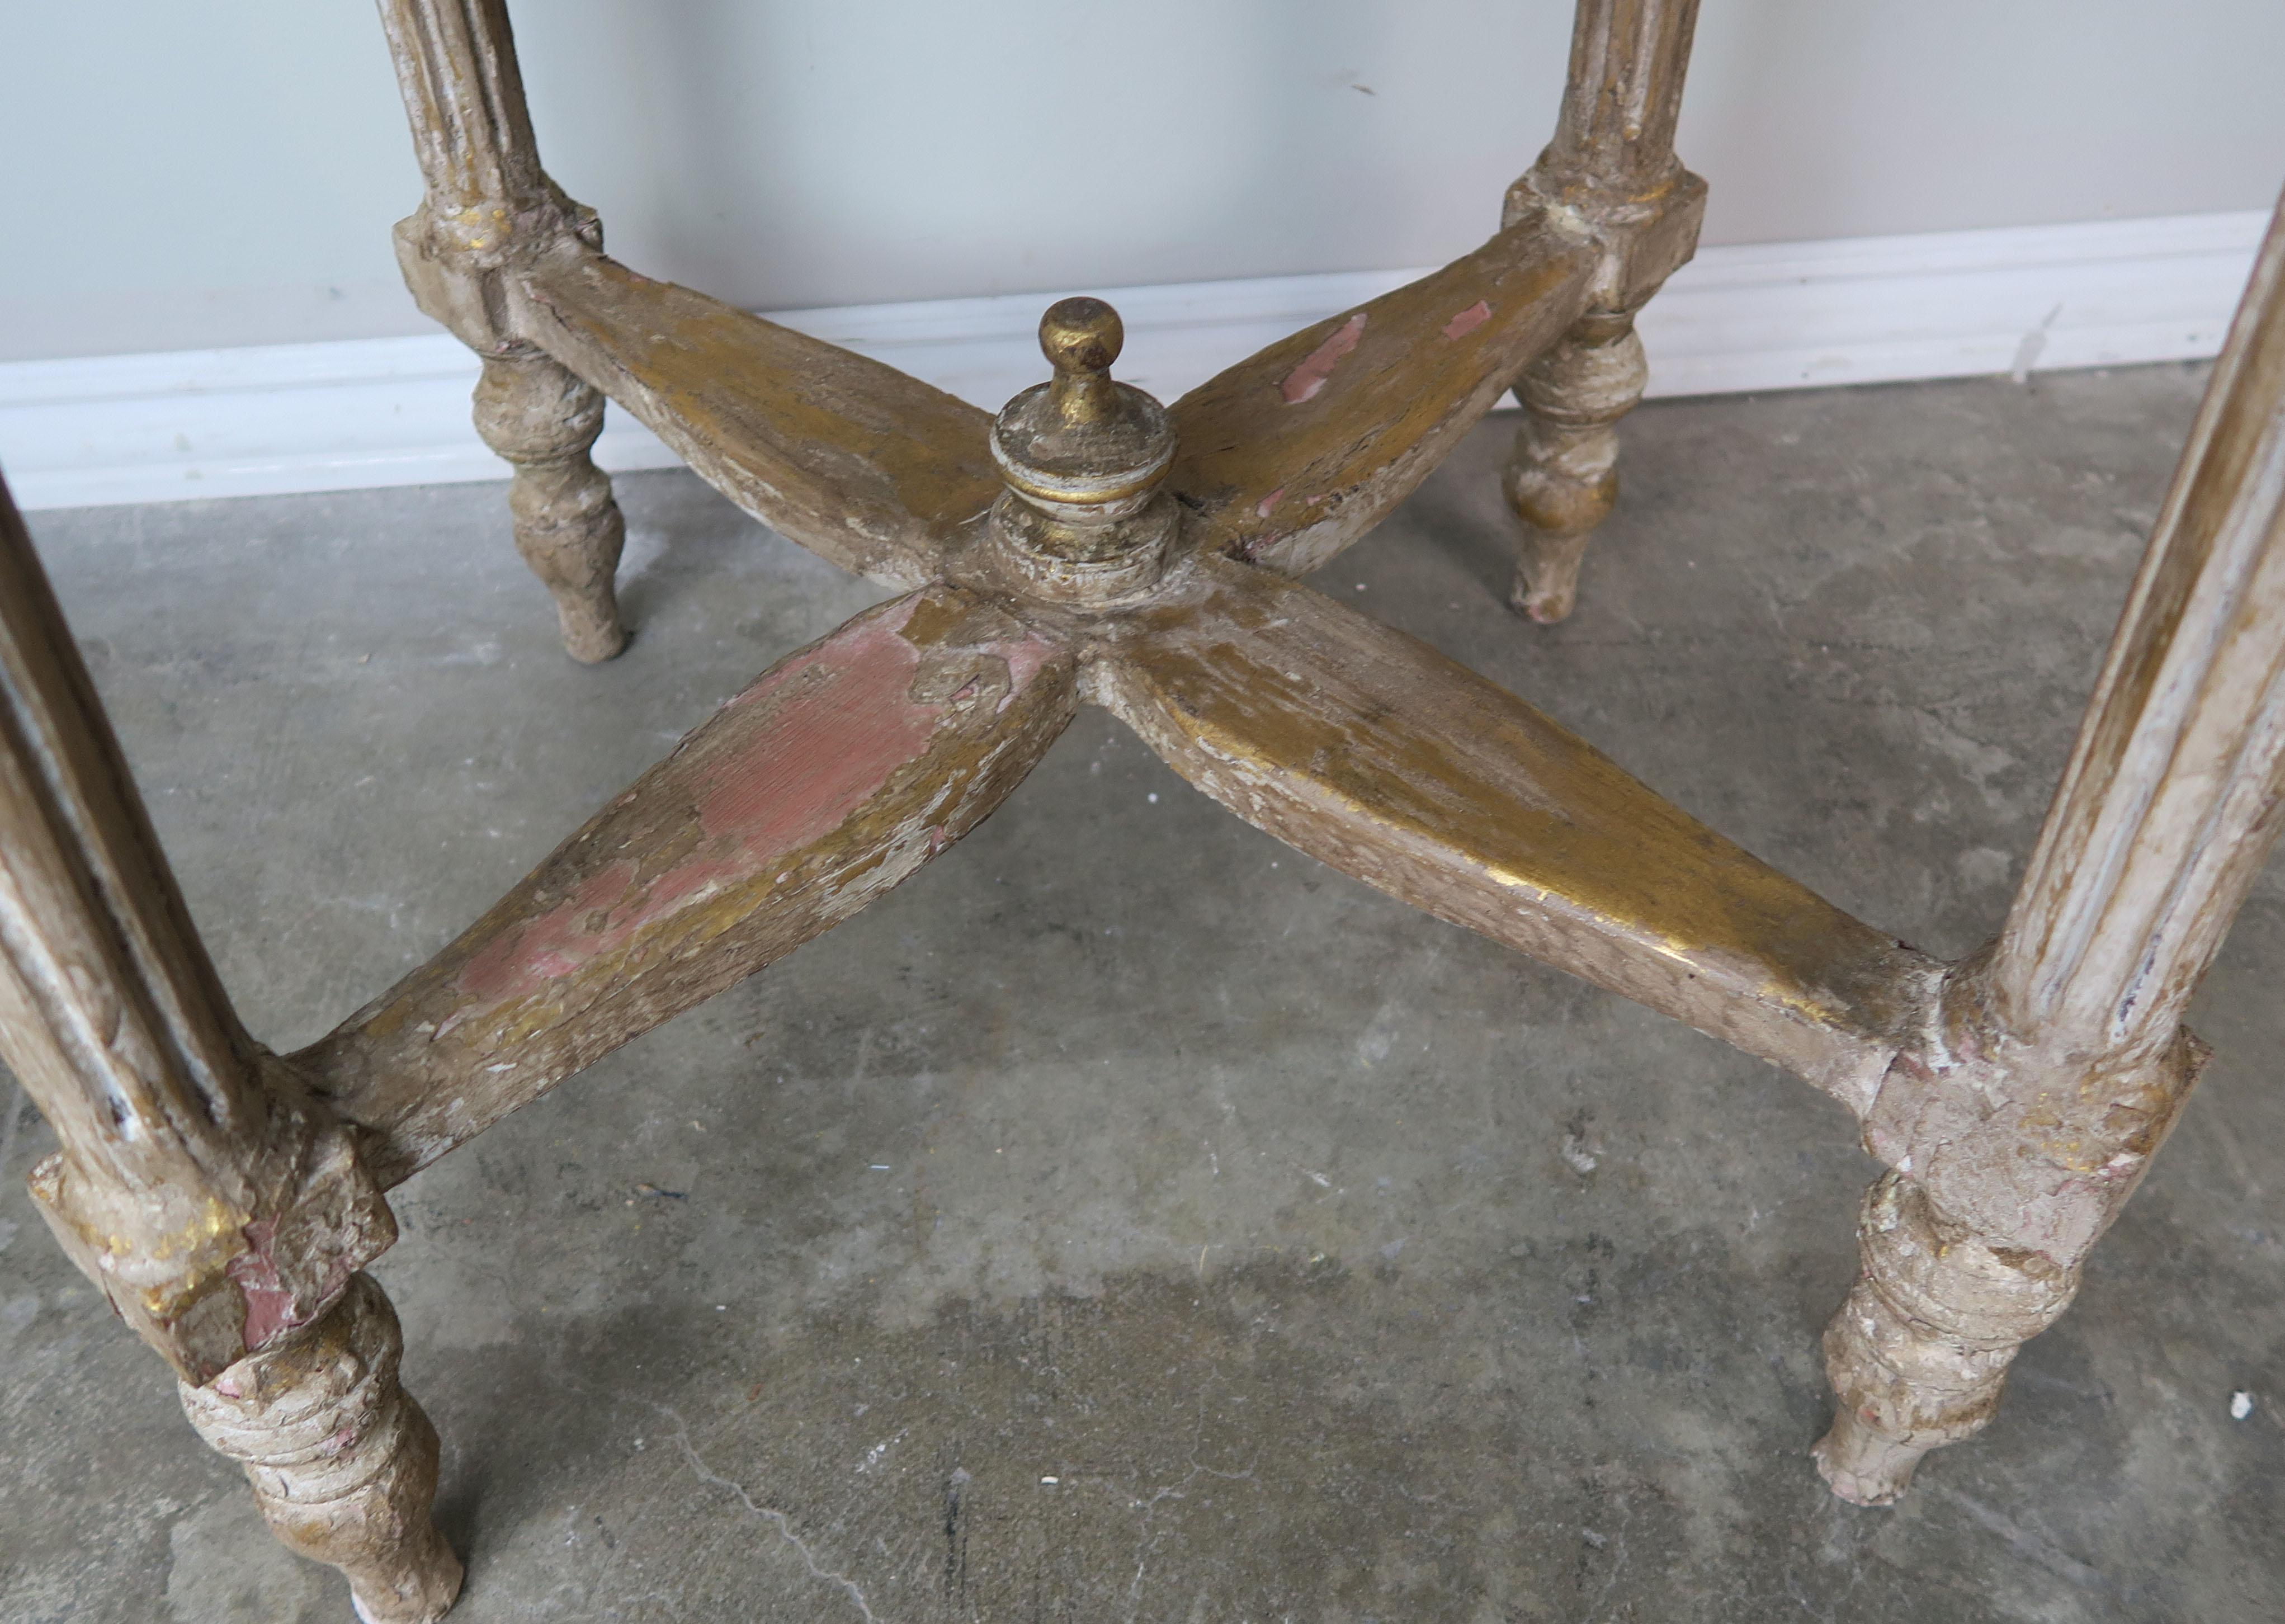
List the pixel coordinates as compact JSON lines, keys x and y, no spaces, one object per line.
{"x":1081,"y":338}
{"x":1083,"y":518}
{"x":1081,"y":439}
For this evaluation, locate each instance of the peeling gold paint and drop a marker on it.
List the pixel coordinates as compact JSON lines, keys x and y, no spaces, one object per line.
{"x":1384,"y":391}
{"x":1374,"y":753}
{"x":866,"y":466}
{"x":659,"y":902}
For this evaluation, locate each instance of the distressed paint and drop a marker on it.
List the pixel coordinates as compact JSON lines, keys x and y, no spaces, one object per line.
{"x":182,"y":1146}
{"x":544,"y":422}
{"x":343,"y":1463}
{"x":269,"y":1301}
{"x":213,"y":1202}
{"x":1468,"y":320}
{"x":1293,"y":453}
{"x":1373,"y":753}
{"x":489,"y":206}
{"x":841,"y":723}
{"x":1307,"y":380}
{"x":822,"y":785}
{"x":871,"y":469}
{"x":1083,"y":522}
{"x":2055,"y":1061}
{"x":1612,"y":168}
{"x":275,"y":1304}
{"x":1622,"y":99}
{"x":1562,"y":479}
{"x":225,"y":1210}
{"x":2173,"y":797}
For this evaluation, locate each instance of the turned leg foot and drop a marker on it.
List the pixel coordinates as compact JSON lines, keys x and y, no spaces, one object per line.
{"x":1563,"y":477}
{"x":1919,"y":1353}
{"x":542,"y":418}
{"x":342,"y":1461}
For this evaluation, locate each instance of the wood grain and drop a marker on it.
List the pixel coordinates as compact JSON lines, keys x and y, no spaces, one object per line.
{"x":1372,"y":752}
{"x":1295,"y":452}
{"x":207,"y":1195}
{"x":873,"y":470}
{"x":2172,"y":801}
{"x":830,"y":780}
{"x":2055,"y":1062}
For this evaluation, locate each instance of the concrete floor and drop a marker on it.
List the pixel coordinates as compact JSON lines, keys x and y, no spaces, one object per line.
{"x":1131,"y":1219}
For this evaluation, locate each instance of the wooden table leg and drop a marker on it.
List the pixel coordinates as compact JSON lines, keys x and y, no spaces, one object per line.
{"x":342,"y":1461}
{"x":216,"y":1202}
{"x":1613,"y":161}
{"x":2058,"y":1059}
{"x":488,"y":204}
{"x":532,"y":411}
{"x":1562,"y":479}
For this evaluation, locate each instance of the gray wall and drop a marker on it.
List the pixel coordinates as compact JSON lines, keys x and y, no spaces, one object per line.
{"x":183,"y":174}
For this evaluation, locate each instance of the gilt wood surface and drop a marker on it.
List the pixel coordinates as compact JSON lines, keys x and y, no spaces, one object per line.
{"x":1297,"y":451}
{"x":834,"y":777}
{"x":2171,"y":799}
{"x":532,"y":411}
{"x":220,"y":1207}
{"x":342,"y":1462}
{"x":1091,"y":543}
{"x":214,"y":1204}
{"x":1374,"y":753}
{"x":853,"y":459}
{"x":2054,"y":1064}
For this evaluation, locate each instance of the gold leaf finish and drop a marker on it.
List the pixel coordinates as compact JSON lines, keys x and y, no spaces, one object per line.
{"x":860,"y":464}
{"x":1298,"y":450}
{"x":1371,"y":751}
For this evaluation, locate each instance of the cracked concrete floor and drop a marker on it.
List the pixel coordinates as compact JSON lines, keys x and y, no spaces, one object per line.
{"x":1131,"y":1219}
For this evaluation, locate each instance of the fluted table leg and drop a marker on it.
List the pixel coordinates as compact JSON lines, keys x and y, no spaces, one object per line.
{"x":2057,"y":1059}
{"x":489,"y":207}
{"x":212,"y":1199}
{"x":1612,"y":165}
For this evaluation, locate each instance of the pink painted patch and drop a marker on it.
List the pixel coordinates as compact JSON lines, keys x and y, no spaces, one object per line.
{"x":765,"y":781}
{"x":1468,"y":320}
{"x":1261,"y":509}
{"x":830,"y":743}
{"x":268,"y":1305}
{"x":549,"y":948}
{"x":1025,"y":658}
{"x":1307,"y":380}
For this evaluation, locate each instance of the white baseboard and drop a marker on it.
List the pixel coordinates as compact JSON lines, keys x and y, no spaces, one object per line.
{"x":394,"y":412}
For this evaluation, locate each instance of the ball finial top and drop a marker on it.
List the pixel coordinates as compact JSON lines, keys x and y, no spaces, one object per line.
{"x":1080,"y":335}
{"x":1081,"y":440}
{"x":1083,"y":520}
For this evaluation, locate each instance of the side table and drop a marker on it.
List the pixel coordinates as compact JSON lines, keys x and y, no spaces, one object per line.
{"x":1090,"y":544}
